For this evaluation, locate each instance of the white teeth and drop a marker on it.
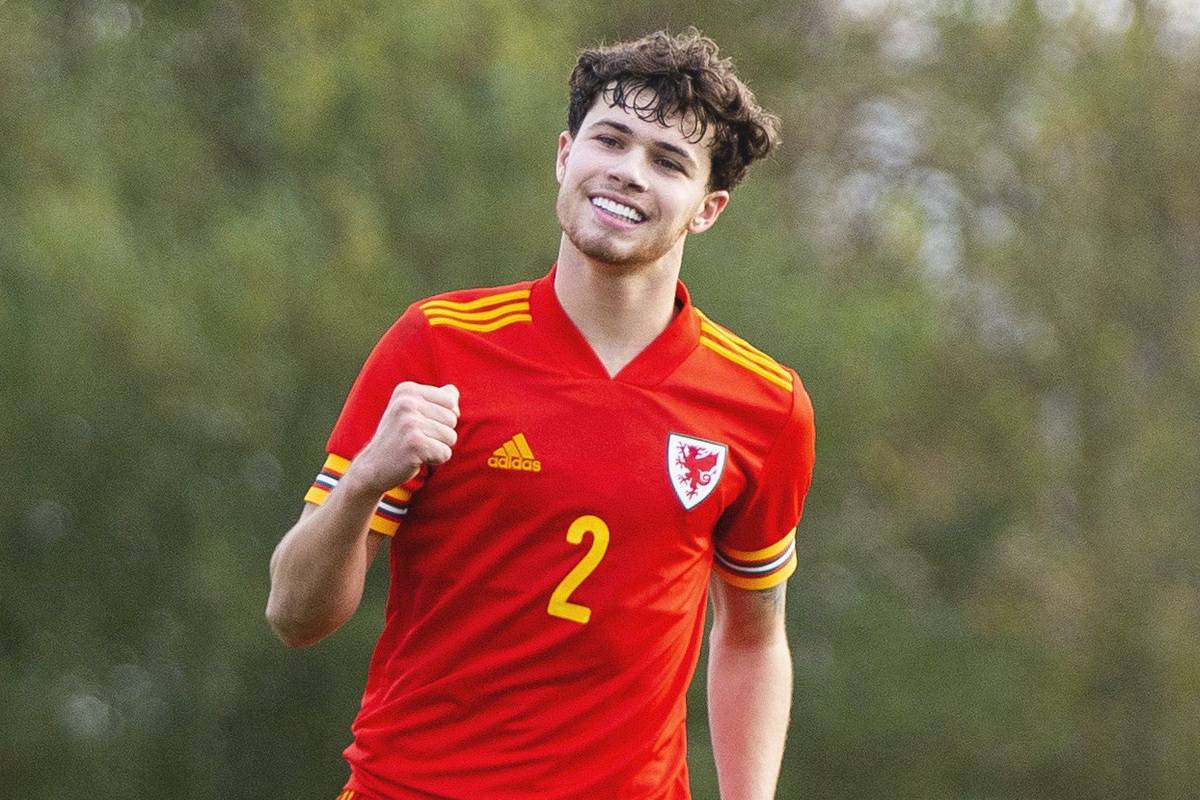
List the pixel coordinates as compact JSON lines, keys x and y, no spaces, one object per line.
{"x":613,"y":207}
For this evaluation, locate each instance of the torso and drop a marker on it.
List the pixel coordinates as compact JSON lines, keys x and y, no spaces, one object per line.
{"x":549,"y":581}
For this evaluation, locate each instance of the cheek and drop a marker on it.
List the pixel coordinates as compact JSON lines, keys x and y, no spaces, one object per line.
{"x":683,"y":205}
{"x":569,"y":171}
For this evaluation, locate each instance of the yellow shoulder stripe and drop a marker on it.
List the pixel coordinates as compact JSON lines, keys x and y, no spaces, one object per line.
{"x":481,"y":315}
{"x":481,"y":327}
{"x":477,"y":316}
{"x":742,"y":347}
{"x":741,"y":360}
{"x":474,"y":305}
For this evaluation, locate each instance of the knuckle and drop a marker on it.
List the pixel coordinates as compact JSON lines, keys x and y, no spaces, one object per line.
{"x":406,"y":403}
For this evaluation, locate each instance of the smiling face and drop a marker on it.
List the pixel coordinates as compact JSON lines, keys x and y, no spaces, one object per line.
{"x":630,"y":190}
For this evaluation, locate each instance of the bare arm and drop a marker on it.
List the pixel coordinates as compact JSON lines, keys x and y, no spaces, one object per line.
{"x":319,"y":568}
{"x":749,"y":689}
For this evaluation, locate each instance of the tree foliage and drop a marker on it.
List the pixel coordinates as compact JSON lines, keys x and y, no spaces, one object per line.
{"x":978,"y":246}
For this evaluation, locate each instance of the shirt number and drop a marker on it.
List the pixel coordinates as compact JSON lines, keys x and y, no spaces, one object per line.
{"x":560,"y":605}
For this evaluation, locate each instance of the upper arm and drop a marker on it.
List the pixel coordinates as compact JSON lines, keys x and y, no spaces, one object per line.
{"x":374,"y":540}
{"x":755,"y":539}
{"x":747,"y":615}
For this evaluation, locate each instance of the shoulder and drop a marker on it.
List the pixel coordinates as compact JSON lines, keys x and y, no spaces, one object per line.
{"x":478,"y":310}
{"x":751,"y":375}
{"x":425,"y":321}
{"x":483,"y":295}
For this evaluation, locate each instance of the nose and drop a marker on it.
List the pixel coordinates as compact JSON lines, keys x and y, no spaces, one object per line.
{"x":628,"y":171}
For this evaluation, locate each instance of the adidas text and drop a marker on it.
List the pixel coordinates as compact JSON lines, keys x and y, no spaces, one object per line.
{"x":522,"y":464}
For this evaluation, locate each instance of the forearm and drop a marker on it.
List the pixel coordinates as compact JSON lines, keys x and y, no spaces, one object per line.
{"x":319,"y":568}
{"x":749,"y":698}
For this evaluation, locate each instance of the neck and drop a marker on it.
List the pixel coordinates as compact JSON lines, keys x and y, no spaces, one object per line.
{"x":618,"y":309}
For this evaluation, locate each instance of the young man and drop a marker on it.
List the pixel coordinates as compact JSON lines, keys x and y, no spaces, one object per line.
{"x":558,"y":467}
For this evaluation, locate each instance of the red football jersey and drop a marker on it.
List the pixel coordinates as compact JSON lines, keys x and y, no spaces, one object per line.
{"x":549,"y":582}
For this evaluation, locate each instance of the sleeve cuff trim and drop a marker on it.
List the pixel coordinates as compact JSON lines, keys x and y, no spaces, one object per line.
{"x":761,"y":582}
{"x":390,"y":510}
{"x":768,"y":553}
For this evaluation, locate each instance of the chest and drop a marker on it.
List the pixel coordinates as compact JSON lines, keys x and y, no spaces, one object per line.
{"x":597,"y":446}
{"x":541,"y":454}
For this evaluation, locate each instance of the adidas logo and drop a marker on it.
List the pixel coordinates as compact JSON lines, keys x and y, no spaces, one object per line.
{"x":515,"y":454}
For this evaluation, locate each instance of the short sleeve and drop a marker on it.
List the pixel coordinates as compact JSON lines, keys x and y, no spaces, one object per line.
{"x":403,"y":354}
{"x":756,"y":537}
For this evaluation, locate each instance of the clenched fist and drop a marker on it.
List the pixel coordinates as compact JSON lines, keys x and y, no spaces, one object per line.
{"x":416,"y":428}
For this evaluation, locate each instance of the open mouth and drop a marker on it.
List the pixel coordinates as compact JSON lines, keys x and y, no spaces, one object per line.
{"x":619,"y":210}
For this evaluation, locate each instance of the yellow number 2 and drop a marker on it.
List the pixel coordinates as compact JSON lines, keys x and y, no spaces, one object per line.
{"x":560,"y":606}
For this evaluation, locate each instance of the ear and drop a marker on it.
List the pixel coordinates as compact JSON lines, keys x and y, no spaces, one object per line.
{"x":564,"y":149}
{"x":710,"y":208}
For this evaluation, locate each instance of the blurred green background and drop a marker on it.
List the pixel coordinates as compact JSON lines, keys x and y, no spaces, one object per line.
{"x":979,"y":246}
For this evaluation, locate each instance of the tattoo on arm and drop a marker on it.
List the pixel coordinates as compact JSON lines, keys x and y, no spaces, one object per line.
{"x":773,"y":599}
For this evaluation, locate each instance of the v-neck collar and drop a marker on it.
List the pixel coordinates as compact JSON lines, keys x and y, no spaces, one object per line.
{"x":569,"y":349}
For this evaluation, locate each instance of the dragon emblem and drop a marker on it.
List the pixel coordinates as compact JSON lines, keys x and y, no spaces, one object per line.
{"x":697,"y":465}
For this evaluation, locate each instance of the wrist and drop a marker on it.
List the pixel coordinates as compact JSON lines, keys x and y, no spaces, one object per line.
{"x":361,"y":482}
{"x":364,"y":479}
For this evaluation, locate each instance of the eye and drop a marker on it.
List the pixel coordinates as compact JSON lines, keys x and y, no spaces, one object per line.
{"x":671,"y":165}
{"x":607,"y":141}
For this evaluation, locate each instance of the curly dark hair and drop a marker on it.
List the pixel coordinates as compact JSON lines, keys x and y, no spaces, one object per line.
{"x":681,"y":75}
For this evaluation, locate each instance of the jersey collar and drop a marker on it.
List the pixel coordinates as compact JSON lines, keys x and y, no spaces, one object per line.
{"x":567,"y":347}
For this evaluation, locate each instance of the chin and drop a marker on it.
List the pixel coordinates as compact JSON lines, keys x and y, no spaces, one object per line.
{"x":601,"y":248}
{"x":606,"y":252}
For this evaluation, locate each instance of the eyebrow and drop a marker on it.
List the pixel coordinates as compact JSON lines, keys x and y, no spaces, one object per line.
{"x":659,"y":143}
